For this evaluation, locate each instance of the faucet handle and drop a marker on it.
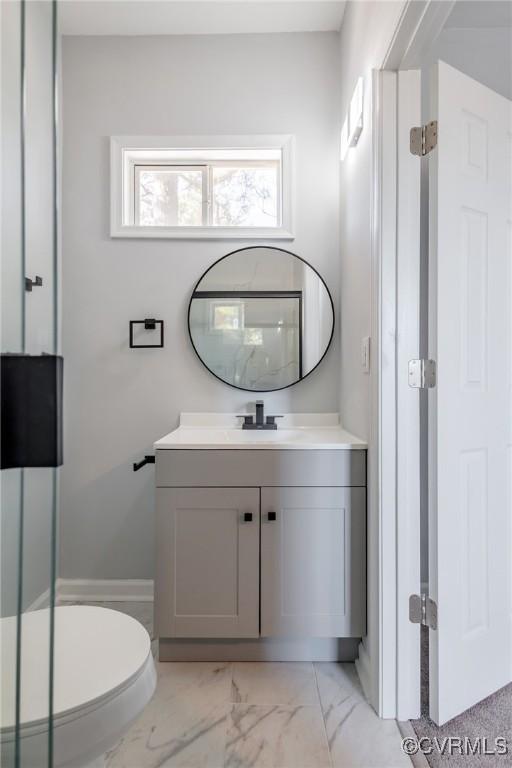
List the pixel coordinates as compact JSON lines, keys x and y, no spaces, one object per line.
{"x":247,"y":417}
{"x":272,"y":419}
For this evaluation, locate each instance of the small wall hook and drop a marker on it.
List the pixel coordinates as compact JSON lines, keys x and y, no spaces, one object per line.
{"x":29,"y":283}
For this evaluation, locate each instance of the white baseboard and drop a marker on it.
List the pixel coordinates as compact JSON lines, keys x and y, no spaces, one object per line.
{"x":43,"y":601}
{"x":363,"y":670}
{"x":107,"y":590}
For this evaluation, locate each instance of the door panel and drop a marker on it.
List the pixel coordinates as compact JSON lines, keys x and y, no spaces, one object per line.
{"x":469,"y":410}
{"x":313,"y":562}
{"x":207,"y":562}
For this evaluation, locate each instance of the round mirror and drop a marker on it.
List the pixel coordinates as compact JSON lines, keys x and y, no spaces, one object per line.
{"x":261,"y":318}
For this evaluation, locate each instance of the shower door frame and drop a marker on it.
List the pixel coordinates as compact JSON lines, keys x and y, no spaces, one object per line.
{"x":46,"y":600}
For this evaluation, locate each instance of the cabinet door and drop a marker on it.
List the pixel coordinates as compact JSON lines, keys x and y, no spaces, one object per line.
{"x":313,"y":562}
{"x":207,"y":576}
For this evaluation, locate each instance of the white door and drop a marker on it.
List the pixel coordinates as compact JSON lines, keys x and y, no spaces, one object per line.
{"x":469,"y":410}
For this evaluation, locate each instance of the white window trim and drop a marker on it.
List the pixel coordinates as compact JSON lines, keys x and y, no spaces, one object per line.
{"x":120,"y":180}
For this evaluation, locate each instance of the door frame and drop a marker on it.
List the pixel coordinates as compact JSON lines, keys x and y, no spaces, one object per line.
{"x":381,"y":689}
{"x":394,"y":485}
{"x":408,"y":415}
{"x":392,"y":681}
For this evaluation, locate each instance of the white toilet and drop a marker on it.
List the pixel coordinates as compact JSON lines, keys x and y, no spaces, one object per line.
{"x":104,"y":677}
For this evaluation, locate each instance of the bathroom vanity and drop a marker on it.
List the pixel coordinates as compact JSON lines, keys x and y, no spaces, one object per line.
{"x":261,"y":540}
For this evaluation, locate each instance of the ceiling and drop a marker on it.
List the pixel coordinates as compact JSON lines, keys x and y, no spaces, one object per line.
{"x":480,"y":14}
{"x":182,"y":17}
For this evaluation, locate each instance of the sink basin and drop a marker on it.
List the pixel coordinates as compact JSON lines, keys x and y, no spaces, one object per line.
{"x":299,"y":431}
{"x":270,"y":435}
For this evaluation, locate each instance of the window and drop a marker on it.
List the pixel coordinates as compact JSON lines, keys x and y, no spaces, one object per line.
{"x":246,"y":194}
{"x":227,"y":317}
{"x":235,"y":187}
{"x":169,"y":196}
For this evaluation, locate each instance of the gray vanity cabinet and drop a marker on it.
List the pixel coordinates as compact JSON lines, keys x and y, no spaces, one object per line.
{"x":312,"y":562}
{"x":266,"y":544}
{"x":208,"y":562}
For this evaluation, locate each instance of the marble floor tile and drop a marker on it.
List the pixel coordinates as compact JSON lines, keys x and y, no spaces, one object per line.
{"x":357,"y":737}
{"x":276,"y":737}
{"x":285,"y":683}
{"x":185,"y":724}
{"x":255,"y":715}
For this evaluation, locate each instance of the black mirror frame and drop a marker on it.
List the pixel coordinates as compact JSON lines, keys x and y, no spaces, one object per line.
{"x":249,"y":248}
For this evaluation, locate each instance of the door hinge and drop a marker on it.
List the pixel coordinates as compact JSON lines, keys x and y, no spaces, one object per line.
{"x":422,"y":374}
{"x":423,"y":138}
{"x":423,"y":610}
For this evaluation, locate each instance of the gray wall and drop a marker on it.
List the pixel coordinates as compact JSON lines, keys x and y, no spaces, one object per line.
{"x":118,"y":401}
{"x":366,"y":34}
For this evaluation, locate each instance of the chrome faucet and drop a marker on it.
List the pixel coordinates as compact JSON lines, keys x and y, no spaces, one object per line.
{"x":261,"y":422}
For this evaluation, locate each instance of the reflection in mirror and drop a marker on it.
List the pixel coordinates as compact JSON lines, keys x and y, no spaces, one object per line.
{"x":261,"y":319}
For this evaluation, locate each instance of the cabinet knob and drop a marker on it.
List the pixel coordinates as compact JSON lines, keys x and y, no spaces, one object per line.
{"x":247,"y":517}
{"x":271,"y":517}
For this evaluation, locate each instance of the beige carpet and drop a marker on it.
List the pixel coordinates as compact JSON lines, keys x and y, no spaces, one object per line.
{"x":491,"y":718}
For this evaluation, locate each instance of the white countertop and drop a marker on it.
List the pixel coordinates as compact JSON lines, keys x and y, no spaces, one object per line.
{"x":208,"y":431}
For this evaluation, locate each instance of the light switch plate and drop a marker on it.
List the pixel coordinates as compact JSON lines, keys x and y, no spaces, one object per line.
{"x":365,"y":354}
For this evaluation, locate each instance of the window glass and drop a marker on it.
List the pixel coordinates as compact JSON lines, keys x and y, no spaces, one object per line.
{"x":168,"y":187}
{"x":245,"y":196}
{"x":170,"y":197}
{"x":228,"y":317}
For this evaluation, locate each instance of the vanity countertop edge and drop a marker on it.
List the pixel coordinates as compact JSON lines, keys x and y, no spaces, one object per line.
{"x":222,"y":431}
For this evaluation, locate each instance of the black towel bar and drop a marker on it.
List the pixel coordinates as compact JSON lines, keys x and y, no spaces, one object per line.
{"x":146,"y":460}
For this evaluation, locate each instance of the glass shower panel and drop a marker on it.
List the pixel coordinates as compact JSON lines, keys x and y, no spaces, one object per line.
{"x":28,"y":327}
{"x":12,"y":333}
{"x":253,"y":342}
